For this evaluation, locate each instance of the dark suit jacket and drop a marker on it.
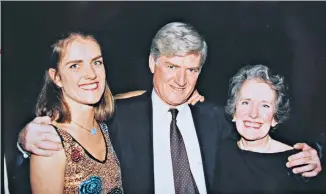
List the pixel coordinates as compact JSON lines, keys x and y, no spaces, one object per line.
{"x":132,"y":138}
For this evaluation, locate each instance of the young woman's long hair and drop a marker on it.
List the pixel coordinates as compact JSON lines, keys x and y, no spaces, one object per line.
{"x":51,"y":102}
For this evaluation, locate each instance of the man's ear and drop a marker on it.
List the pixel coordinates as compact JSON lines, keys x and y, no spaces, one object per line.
{"x":151,"y":62}
{"x":55,"y":77}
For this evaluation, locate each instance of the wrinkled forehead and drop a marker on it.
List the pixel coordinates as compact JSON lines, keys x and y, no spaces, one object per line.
{"x":191,"y":60}
{"x":257,"y":90}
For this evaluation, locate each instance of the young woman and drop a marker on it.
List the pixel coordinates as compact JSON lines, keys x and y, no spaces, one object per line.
{"x":77,"y":98}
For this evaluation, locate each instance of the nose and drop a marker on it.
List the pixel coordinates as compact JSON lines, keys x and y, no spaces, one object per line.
{"x":253,"y":111}
{"x":181,"y":78}
{"x":89,"y":73}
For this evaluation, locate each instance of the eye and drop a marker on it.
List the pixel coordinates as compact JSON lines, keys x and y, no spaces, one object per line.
{"x":171,"y":66}
{"x":244,"y":103}
{"x":266,"y":106}
{"x":98,"y":62}
{"x":74,"y":66}
{"x":193,"y":70}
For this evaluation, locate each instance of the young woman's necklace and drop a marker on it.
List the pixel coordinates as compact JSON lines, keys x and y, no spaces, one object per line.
{"x":93,"y":131}
{"x":267,"y":147}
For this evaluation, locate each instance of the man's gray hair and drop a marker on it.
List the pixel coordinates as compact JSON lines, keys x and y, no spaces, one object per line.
{"x":263,"y":73}
{"x":178,"y":39}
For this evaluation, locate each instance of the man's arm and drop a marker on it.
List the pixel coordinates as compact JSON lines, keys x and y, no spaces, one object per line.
{"x":39,"y":137}
{"x":194,"y":98}
{"x":47,"y":173}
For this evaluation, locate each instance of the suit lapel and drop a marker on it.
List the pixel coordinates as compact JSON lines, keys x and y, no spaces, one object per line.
{"x":207,"y":137}
{"x":143,"y":138}
{"x":132,"y":139}
{"x":148,"y":130}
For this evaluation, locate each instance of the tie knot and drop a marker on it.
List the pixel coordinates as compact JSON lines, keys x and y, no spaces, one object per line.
{"x":174,"y":113}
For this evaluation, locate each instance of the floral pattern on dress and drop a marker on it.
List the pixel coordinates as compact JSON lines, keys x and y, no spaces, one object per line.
{"x":76,"y":154}
{"x":92,"y":185}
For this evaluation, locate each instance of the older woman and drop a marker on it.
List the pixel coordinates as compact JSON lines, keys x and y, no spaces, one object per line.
{"x":256,"y":163}
{"x":77,"y":98}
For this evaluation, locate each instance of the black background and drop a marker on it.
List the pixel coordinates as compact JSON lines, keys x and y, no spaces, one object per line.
{"x":289,"y":37}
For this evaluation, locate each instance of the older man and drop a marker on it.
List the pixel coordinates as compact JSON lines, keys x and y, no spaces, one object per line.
{"x":164,"y":145}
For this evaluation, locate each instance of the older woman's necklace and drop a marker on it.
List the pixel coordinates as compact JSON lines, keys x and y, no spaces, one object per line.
{"x":93,"y":131}
{"x":242,"y":146}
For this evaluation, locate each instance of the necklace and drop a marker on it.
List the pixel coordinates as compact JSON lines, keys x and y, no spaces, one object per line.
{"x":243,"y":147}
{"x":93,"y":131}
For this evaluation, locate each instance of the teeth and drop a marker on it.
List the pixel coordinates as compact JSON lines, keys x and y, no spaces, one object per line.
{"x":178,"y":89}
{"x":89,"y":86}
{"x":250,"y":124}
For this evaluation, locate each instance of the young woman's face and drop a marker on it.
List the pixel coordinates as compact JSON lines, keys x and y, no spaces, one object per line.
{"x":81,"y":72}
{"x":255,"y":110}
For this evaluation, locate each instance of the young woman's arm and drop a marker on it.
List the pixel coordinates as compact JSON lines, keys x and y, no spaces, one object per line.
{"x":47,"y":173}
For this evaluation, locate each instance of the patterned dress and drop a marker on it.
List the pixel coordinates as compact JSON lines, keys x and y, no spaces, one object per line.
{"x":84,"y":173}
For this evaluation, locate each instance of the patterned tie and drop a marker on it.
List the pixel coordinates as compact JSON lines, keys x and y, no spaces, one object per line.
{"x":184,"y":182}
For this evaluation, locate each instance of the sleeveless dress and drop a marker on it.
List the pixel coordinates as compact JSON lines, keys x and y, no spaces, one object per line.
{"x":84,"y":173}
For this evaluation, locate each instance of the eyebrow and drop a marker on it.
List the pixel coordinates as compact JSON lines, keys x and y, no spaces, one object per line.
{"x":80,"y":61}
{"x":98,"y":57}
{"x":74,"y":61}
{"x":251,"y":99}
{"x":169,"y":63}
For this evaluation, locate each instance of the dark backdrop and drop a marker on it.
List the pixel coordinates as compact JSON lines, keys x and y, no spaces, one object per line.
{"x":289,"y":37}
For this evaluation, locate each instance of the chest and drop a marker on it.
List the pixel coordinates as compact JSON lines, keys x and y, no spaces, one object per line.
{"x":86,"y":173}
{"x":249,"y":173}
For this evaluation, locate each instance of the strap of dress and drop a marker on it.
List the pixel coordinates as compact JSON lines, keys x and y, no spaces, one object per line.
{"x":65,"y":137}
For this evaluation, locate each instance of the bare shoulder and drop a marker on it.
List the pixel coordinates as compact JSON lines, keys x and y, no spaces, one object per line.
{"x":47,"y":173}
{"x":58,"y":158}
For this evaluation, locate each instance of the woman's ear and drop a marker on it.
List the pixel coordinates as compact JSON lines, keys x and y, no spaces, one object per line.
{"x":233,"y":119}
{"x":55,"y":77}
{"x":274,"y":123}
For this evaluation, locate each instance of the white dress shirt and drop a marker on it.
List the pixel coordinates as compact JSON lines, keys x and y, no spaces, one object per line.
{"x":5,"y":176}
{"x":163,"y":170}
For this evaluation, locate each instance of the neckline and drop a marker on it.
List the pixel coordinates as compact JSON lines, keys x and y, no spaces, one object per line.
{"x":263,"y":153}
{"x":87,"y":152}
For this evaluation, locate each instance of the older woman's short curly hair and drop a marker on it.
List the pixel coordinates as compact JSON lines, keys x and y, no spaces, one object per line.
{"x":263,"y":73}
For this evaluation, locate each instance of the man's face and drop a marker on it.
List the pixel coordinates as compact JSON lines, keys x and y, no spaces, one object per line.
{"x":175,"y":77}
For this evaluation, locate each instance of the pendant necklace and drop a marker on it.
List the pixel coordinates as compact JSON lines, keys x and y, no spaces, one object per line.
{"x":93,"y":131}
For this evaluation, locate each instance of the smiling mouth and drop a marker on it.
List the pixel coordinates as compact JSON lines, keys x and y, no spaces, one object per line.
{"x":177,"y":89}
{"x":255,"y":125}
{"x":91,"y":86}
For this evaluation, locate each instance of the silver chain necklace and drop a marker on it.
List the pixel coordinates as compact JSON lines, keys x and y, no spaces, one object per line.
{"x":93,"y":131}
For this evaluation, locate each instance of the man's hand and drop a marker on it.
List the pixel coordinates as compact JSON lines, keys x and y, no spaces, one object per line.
{"x":307,"y":157}
{"x":39,"y":137}
{"x":195,"y":97}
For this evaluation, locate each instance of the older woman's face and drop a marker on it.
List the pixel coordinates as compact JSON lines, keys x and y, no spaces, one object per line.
{"x":255,"y":110}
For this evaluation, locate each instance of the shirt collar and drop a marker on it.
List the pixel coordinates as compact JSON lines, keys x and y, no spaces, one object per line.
{"x":159,"y":104}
